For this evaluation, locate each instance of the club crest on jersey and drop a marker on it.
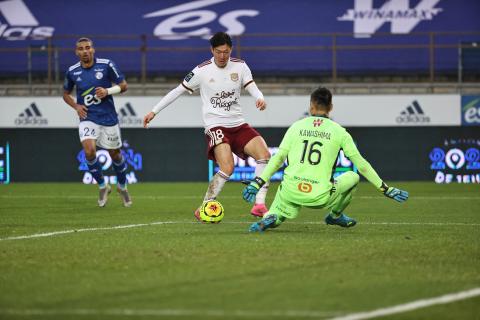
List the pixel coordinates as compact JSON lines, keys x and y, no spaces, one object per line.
{"x":99,"y":75}
{"x":234,"y":76}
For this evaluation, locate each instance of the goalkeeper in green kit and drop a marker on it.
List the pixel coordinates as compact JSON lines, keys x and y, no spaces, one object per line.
{"x":311,"y":146}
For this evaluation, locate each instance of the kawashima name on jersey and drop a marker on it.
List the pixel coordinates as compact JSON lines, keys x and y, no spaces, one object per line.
{"x":101,"y":74}
{"x":220,"y":91}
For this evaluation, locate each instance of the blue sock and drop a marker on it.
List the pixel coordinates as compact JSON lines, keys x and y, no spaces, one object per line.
{"x":121,"y":171}
{"x":95,"y":168}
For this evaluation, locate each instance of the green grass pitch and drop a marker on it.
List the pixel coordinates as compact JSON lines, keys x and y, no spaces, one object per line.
{"x":160,"y":264}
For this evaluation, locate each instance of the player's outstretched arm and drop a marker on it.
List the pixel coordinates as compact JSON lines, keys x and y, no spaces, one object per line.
{"x":163,"y":103}
{"x":394,"y":193}
{"x":371,"y":175}
{"x":250,"y":191}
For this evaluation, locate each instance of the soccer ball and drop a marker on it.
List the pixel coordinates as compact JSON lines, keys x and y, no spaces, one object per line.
{"x":211,"y":211}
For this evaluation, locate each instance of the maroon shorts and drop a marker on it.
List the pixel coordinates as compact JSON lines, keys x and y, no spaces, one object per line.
{"x":236,"y":137}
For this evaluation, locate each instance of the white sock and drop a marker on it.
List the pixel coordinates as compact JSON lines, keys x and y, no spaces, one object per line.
{"x":216,"y":185}
{"x":262,"y":193}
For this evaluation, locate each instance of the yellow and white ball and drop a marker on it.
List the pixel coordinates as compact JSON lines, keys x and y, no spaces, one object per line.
{"x":211,"y":211}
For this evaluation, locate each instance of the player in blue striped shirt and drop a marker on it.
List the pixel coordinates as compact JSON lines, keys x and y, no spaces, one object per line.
{"x":93,"y":79}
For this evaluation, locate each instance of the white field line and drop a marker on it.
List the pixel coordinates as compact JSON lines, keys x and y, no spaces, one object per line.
{"x":423,"y":303}
{"x":170,"y":313}
{"x":414,"y":305}
{"x":56,"y":233}
{"x":160,"y":197}
{"x":138,"y":225}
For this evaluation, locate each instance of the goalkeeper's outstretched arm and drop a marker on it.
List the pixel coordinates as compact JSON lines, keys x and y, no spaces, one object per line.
{"x":274,"y":164}
{"x":250,"y":191}
{"x":371,"y":175}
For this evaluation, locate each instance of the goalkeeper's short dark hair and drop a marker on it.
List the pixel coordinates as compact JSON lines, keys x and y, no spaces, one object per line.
{"x":321,"y":97}
{"x":219,"y":39}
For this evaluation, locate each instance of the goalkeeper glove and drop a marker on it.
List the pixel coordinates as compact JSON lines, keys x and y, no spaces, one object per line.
{"x":394,"y":193}
{"x":250,"y":191}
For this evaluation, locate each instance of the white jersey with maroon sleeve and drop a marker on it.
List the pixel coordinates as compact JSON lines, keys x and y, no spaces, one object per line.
{"x":220,"y":91}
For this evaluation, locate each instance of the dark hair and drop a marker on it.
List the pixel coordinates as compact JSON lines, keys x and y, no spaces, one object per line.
{"x":84,"y":39}
{"x":219,"y":39}
{"x":321,"y":97}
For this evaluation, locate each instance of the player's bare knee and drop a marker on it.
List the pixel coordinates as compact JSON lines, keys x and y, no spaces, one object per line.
{"x":264,"y":156}
{"x":90,"y":154}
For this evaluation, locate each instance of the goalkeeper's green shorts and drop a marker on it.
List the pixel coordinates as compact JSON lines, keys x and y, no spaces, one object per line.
{"x":343,"y":185}
{"x":283,"y":207}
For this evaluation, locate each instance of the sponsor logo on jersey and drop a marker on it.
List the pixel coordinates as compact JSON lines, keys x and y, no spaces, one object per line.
{"x":413,"y":114}
{"x":402,"y":19}
{"x":76,"y":73}
{"x":127,"y":116}
{"x":471,"y":110}
{"x":31,"y":116}
{"x":234,"y":76}
{"x":211,"y":80}
{"x":89,"y":98}
{"x":189,"y":76}
{"x":21,"y":23}
{"x":224,"y":100}
{"x":304,"y":187}
{"x":78,"y":79}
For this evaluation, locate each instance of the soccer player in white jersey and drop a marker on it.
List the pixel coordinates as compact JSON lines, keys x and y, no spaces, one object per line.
{"x":220,"y":81}
{"x":93,"y":78}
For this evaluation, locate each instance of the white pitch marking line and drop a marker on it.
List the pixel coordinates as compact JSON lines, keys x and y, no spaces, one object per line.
{"x":128,"y":226}
{"x":414,"y":305}
{"x":55,"y":233}
{"x":423,"y":303}
{"x":171,"y":312}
